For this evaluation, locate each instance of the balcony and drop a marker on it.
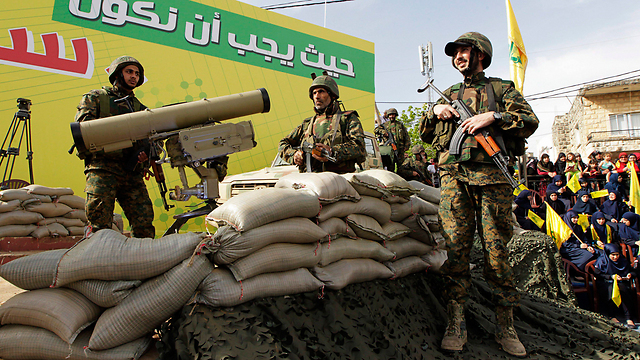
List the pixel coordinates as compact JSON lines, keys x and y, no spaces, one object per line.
{"x":614,"y":135}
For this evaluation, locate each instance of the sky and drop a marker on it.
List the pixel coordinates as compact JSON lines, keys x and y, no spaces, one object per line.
{"x":568,"y":42}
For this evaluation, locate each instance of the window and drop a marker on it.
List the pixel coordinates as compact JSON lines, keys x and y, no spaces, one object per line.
{"x":625,"y":124}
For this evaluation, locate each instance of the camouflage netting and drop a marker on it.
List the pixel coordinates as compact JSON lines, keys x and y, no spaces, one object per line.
{"x":402,"y":319}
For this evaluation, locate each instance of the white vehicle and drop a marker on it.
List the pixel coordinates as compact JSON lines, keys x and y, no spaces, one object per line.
{"x":233,"y":185}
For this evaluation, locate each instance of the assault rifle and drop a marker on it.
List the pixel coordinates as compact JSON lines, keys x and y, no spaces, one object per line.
{"x":483,"y":137}
{"x":311,"y":149}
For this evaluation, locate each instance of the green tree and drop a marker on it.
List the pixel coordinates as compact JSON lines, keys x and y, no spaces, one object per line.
{"x":411,"y":120}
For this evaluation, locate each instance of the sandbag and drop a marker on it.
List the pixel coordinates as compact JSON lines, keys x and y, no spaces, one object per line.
{"x":426,"y":192}
{"x":52,"y":230}
{"x":76,"y":230}
{"x":12,"y":205}
{"x":64,"y":312}
{"x":336,"y":227}
{"x":275,"y":258}
{"x":435,"y":259}
{"x":255,"y":208}
{"x":34,"y":271}
{"x":229,"y":245}
{"x":118,"y":223}
{"x":395,"y":230}
{"x":370,"y":206}
{"x":66,"y":222}
{"x":22,"y":195}
{"x":109,"y":255}
{"x":49,"y":210}
{"x":393,"y":183}
{"x":419,"y":229}
{"x":17,"y":230}
{"x":351,"y":271}
{"x":406,"y":266}
{"x":415,"y":205}
{"x":432,"y":223}
{"x":72,"y":201}
{"x":149,"y":305}
{"x":329,"y":187}
{"x":19,"y":217}
{"x":220,"y":288}
{"x":366,"y":227}
{"x":19,"y":342}
{"x":344,"y":248}
{"x":105,"y":294}
{"x":77,"y":214}
{"x":438,"y":238}
{"x":365,"y":185}
{"x":407,"y":246}
{"x":49,"y":191}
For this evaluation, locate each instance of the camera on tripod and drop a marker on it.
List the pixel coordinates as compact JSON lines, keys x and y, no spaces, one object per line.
{"x":24,"y":104}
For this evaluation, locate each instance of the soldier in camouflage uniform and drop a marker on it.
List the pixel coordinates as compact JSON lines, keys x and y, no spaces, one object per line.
{"x":393,"y":133}
{"x":117,"y":175}
{"x":337,"y":132}
{"x":474,"y":191}
{"x":415,"y":168}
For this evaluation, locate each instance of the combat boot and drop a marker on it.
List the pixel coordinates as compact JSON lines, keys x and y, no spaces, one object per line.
{"x":506,"y":334}
{"x":456,"y":335}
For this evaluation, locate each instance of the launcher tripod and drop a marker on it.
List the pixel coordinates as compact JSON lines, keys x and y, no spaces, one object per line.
{"x":20,"y":126}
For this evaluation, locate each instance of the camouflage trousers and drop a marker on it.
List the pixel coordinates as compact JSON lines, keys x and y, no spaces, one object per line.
{"x":464,"y":207}
{"x":103,"y":188}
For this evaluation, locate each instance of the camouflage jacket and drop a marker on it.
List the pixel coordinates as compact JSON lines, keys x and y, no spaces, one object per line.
{"x":346,"y":141}
{"x":410,"y":165}
{"x":399,"y":132}
{"x":89,"y":109}
{"x":474,"y":165}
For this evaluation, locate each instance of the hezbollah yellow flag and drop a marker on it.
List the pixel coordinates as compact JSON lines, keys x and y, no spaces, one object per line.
{"x":519,"y":189}
{"x":615,"y":293}
{"x":634,"y":193}
{"x":517,"y":54}
{"x":583,"y":220}
{"x":556,"y":228}
{"x":599,"y":194}
{"x":574,"y":183}
{"x":535,"y":218}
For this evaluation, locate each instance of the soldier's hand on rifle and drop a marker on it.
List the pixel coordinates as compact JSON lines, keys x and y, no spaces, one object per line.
{"x":445,"y":112}
{"x":298,"y":158}
{"x":317,"y":154}
{"x":415,"y":173}
{"x":477,"y":122}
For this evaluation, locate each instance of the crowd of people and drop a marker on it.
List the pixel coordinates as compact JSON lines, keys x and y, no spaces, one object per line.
{"x":603,"y":228}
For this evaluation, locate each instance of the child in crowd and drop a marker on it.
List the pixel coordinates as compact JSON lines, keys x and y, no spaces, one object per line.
{"x":606,"y":166}
{"x":591,"y":173}
{"x":609,"y":266}
{"x":633,"y":161}
{"x":584,"y":204}
{"x":576,"y":249}
{"x":572,"y":167}
{"x":600,"y":232}
{"x":558,"y":186}
{"x":560,"y":164}
{"x":555,"y":204}
{"x":613,"y":207}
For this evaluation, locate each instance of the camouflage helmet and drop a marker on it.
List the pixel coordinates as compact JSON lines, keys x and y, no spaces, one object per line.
{"x":417,"y":149}
{"x":391,"y":111}
{"x":474,"y":39}
{"x":324,"y":81}
{"x":120,"y":63}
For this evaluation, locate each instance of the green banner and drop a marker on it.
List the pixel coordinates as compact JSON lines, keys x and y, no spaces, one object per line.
{"x":204,"y":29}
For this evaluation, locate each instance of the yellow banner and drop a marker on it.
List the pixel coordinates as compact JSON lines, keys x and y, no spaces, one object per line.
{"x":517,"y":54}
{"x":634,"y":193}
{"x":599,"y":193}
{"x":535,"y":218}
{"x":574,"y":183}
{"x":519,"y":189}
{"x":615,"y":293}
{"x":583,"y":220}
{"x":556,"y":228}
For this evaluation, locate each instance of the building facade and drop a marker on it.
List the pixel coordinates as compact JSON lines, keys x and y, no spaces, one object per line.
{"x":603,"y":117}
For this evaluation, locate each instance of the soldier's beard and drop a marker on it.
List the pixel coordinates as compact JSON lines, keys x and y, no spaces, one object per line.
{"x":123,"y":84}
{"x":471,"y":66}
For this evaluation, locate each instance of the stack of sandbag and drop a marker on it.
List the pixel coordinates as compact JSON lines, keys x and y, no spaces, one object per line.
{"x":264,"y":244}
{"x":339,"y":227}
{"x":41,"y":211}
{"x":101,"y":298}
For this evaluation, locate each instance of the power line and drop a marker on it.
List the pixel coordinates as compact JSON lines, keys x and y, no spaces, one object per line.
{"x":584,"y":83}
{"x":294,"y":4}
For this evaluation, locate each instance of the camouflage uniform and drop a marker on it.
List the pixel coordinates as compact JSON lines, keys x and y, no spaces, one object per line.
{"x":412,"y":164}
{"x":400,"y":137}
{"x":474,"y":182}
{"x":344,"y":135}
{"x":111,"y":176}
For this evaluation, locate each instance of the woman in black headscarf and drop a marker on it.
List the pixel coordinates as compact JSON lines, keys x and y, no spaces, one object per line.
{"x":555,"y":203}
{"x":558,"y":186}
{"x":545,"y":166}
{"x":561,"y":163}
{"x":584,"y":204}
{"x":576,"y":249}
{"x":628,"y":231}
{"x":523,"y":205}
{"x":600,"y":232}
{"x":613,"y":207}
{"x":609,"y":266}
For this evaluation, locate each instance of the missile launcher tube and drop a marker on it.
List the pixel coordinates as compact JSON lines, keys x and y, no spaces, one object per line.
{"x":120,"y":131}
